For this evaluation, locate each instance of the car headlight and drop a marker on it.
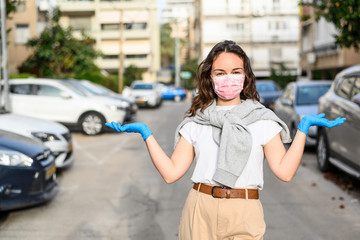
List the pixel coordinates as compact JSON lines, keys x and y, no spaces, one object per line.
{"x":45,"y":137}
{"x":14,"y":158}
{"x":124,"y":104}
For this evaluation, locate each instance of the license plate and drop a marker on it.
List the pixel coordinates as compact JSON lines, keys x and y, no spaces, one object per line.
{"x":140,"y":100}
{"x":50,"y":172}
{"x":70,"y":147}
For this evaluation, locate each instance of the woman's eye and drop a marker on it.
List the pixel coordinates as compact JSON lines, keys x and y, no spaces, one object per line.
{"x":219,"y":74}
{"x":237,"y":72}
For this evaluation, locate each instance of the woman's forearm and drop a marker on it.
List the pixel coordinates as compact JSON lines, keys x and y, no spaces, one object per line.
{"x":284,"y":163}
{"x":170,"y":169}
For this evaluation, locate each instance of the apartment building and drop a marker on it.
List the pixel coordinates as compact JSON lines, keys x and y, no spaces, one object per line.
{"x":320,"y":58}
{"x":266,"y":29}
{"x":28,"y":22}
{"x":125,"y":28}
{"x":181,"y":14}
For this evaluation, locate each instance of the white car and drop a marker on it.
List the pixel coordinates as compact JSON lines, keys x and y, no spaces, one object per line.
{"x":54,"y":100}
{"x":52,"y":134}
{"x":146,"y":93}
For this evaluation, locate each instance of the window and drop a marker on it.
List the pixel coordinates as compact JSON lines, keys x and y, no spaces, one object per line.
{"x":47,"y":90}
{"x":309,"y":95}
{"x":344,"y":88}
{"x":22,"y":33}
{"x":135,"y":56}
{"x":80,"y":23}
{"x":135,"y":26}
{"x":24,"y":89}
{"x":356,"y":88}
{"x":109,"y":26}
{"x":110,"y":56}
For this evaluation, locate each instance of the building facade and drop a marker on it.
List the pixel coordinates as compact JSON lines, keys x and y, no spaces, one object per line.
{"x":126,"y":32}
{"x":266,"y":29}
{"x":28,"y":22}
{"x":320,"y":58}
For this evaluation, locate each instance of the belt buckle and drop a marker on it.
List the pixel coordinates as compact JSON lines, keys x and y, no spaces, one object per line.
{"x":212,"y":191}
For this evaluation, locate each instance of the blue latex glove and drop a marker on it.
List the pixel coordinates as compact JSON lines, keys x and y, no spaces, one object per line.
{"x":131,"y":128}
{"x":318,"y":120}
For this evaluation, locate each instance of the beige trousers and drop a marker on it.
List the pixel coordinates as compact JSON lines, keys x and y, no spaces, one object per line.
{"x":208,"y":218}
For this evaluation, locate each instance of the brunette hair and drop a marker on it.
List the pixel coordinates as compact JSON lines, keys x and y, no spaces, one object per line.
{"x":206,"y":93}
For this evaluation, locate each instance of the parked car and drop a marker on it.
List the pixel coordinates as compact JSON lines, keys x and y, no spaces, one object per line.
{"x":171,"y":92}
{"x":54,"y":100}
{"x":146,"y":94}
{"x":96,"y":90}
{"x":269,"y":91}
{"x":339,"y":146}
{"x":52,"y":134}
{"x":27,"y":170}
{"x":300,"y":99}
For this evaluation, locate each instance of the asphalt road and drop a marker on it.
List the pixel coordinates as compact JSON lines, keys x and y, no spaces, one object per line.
{"x":113,"y":191}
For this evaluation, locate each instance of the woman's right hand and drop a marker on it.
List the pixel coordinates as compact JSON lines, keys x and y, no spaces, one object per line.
{"x":131,"y":128}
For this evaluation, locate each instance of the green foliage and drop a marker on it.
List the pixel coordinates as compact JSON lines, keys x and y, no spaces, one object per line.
{"x":345,"y":15}
{"x":131,"y":74}
{"x":167,"y":45}
{"x":57,"y":53}
{"x":282,"y":76}
{"x":191,"y":67}
{"x":21,"y":75}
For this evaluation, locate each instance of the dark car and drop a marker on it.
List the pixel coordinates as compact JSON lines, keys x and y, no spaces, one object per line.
{"x":269,"y":91}
{"x":300,"y":99}
{"x":340,"y":146}
{"x":27,"y":172}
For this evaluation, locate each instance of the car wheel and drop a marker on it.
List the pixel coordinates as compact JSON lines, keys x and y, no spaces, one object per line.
{"x":177,"y":98}
{"x":92,"y":123}
{"x":322,"y":152}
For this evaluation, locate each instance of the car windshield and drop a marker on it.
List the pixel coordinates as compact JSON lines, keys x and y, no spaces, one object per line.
{"x":309,"y":95}
{"x":143,"y":86}
{"x":97,"y":89}
{"x":75,"y":89}
{"x":266,"y":87}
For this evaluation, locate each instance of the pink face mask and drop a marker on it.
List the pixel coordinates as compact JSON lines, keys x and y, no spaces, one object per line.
{"x":229,"y":86}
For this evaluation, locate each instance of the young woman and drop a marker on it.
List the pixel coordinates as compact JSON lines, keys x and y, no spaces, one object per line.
{"x":227,"y":132}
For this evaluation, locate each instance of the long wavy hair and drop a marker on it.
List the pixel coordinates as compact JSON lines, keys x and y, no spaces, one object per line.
{"x":206,"y":93}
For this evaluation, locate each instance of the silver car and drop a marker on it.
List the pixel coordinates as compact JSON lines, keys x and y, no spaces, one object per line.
{"x":146,"y":94}
{"x":300,"y":99}
{"x":339,"y":146}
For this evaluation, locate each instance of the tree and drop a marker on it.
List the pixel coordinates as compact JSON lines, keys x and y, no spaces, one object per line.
{"x":167,"y":45}
{"x":344,"y":14}
{"x":58,"y":54}
{"x":281,"y":75}
{"x":131,"y":74}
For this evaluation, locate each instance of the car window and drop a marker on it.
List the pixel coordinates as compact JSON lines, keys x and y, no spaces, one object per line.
{"x":47,"y":90}
{"x":344,"y":88}
{"x":266,"y":87}
{"x":308,"y":95}
{"x":356,"y":88}
{"x":143,"y":86}
{"x":24,"y":89}
{"x":289,"y":92}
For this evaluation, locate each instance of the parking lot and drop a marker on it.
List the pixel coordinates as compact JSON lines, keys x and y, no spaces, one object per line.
{"x":113,"y":191}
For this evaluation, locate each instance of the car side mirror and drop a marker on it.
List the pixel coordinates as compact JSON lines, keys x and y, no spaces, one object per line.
{"x":356,"y":99}
{"x":65,"y":95}
{"x":287,"y":102}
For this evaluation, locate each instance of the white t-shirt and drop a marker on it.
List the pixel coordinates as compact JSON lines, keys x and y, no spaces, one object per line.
{"x":206,"y":151}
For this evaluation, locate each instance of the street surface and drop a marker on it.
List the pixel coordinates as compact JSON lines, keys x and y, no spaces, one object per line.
{"x":113,"y":191}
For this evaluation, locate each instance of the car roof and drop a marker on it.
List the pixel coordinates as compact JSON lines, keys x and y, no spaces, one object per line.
{"x":313,"y":82}
{"x":348,"y":71}
{"x":26,"y":80}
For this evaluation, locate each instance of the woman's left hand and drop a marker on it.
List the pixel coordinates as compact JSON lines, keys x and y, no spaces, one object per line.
{"x":318,"y":120}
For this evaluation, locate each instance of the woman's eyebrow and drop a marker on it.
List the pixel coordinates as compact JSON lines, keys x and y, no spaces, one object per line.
{"x":222,"y":70}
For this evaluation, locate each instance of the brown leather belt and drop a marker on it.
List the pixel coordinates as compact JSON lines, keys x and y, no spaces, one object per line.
{"x":226,"y":192}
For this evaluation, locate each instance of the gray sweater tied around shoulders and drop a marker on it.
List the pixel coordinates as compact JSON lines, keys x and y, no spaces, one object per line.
{"x":231,"y":134}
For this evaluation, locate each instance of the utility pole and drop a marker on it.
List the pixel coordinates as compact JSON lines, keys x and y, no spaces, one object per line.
{"x":177,"y":55}
{"x":4,"y":89}
{"x":121,"y":54}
